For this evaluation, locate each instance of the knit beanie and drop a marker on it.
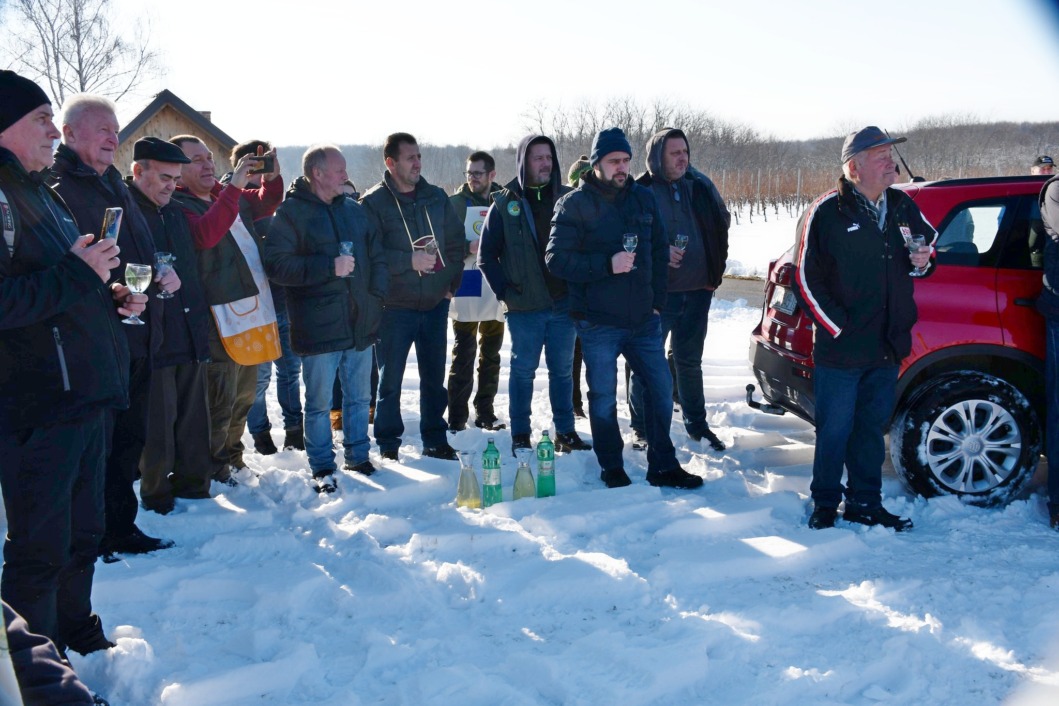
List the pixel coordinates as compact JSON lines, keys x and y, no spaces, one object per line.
{"x":610,"y":140}
{"x":20,"y":96}
{"x":578,"y":168}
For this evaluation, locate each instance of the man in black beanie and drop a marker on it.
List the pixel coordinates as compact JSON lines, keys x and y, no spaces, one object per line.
{"x":63,"y":366}
{"x":608,"y":242}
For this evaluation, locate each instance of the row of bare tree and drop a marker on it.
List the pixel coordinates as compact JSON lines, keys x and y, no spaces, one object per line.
{"x":758,"y":175}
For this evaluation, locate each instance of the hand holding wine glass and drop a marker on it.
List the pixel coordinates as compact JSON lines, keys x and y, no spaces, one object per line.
{"x":629,"y":241}
{"x":137,"y":278}
{"x":163,"y":268}
{"x":916,"y":244}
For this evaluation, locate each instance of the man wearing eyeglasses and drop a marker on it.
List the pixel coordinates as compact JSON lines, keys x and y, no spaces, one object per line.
{"x":691,"y":207}
{"x":475,"y":311}
{"x":512,"y":257}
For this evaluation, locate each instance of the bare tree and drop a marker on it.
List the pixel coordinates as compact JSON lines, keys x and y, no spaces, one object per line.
{"x":70,"y":47}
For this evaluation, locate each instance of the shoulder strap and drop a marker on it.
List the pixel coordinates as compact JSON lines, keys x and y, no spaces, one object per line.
{"x":7,"y":222}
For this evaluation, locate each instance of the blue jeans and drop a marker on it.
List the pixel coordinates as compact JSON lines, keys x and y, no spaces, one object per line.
{"x":1051,"y":422}
{"x":553,"y":331}
{"x":685,"y":317}
{"x":642,"y":349}
{"x":428,"y":332}
{"x":288,"y":389}
{"x":853,"y":407}
{"x":354,"y":371}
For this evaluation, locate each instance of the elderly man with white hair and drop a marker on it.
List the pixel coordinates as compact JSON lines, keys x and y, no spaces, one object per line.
{"x":86,"y":178}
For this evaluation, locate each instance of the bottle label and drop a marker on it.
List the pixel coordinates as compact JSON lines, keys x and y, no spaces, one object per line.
{"x":546,"y":468}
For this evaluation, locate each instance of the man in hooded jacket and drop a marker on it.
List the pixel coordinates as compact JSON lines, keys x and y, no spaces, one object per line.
{"x":690,"y":206}
{"x":511,"y":257}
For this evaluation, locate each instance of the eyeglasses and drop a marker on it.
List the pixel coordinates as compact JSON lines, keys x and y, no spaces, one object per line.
{"x":476,"y":175}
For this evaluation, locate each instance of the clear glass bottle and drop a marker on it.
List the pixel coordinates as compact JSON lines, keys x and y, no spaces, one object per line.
{"x":468,"y":493}
{"x":524,"y":486}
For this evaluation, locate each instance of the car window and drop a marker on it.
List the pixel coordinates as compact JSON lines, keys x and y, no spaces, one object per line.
{"x":969,"y":232}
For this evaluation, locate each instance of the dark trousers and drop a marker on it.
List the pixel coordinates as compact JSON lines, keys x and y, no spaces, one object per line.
{"x":231,"y":390}
{"x":576,"y":375}
{"x":684,"y":321}
{"x":52,"y":479}
{"x":642,"y":349}
{"x":1051,"y":425}
{"x":470,"y":336}
{"x":399,"y":331}
{"x":176,"y":457}
{"x":853,"y":406}
{"x":125,"y":437}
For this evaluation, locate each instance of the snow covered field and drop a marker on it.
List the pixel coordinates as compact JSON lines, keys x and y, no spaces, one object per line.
{"x":385,"y":593}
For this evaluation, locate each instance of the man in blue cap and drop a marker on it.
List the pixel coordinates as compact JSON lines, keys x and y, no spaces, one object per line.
{"x":609,"y":243}
{"x":852,"y":279}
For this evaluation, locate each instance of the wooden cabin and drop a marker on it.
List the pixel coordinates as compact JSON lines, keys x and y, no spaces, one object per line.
{"x":166,"y":117}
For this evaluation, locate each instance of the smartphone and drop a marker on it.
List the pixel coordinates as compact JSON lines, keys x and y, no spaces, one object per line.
{"x":264,"y":165}
{"x":111,"y":224}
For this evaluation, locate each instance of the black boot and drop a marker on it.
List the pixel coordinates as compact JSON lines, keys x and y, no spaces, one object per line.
{"x":263,"y":443}
{"x":294,"y":439}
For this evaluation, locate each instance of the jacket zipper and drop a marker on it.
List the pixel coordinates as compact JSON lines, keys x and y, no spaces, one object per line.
{"x":62,"y":358}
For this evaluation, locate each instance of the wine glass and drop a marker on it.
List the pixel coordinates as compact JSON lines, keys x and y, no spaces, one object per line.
{"x":431,"y":248}
{"x":345,"y":247}
{"x":914,"y":243}
{"x":163,"y":265}
{"x":629,"y":241}
{"x":137,"y":279}
{"x":680,"y":242}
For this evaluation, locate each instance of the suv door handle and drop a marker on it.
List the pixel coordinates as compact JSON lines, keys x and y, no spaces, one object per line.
{"x":1022,"y":301}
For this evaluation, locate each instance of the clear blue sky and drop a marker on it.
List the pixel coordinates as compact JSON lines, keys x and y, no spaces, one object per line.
{"x":454,"y":71}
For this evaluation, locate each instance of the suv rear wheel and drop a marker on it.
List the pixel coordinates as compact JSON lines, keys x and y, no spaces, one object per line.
{"x":969,"y":434}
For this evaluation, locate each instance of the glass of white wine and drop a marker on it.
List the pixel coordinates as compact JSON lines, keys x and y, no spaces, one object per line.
{"x":137,"y":279}
{"x":629,"y":242}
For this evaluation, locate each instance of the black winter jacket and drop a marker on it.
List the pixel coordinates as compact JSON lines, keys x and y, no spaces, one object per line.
{"x":852,"y":278}
{"x":706,"y":204}
{"x":1048,"y":302}
{"x":88,"y":194}
{"x":187,"y":322}
{"x":509,"y":256}
{"x":391,"y":212}
{"x":587,"y":231}
{"x":62,"y":351}
{"x":327,"y":313}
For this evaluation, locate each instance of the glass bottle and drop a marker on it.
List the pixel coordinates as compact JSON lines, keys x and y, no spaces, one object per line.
{"x":492,"y":492}
{"x":524,"y":487}
{"x":467,"y":492}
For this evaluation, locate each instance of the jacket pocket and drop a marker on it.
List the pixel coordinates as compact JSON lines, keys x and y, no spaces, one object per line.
{"x":61,"y":353}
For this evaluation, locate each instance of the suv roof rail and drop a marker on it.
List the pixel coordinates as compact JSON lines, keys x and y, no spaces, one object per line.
{"x":989,"y":180}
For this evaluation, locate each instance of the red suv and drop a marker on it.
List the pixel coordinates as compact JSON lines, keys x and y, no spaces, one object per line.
{"x":970,"y":400}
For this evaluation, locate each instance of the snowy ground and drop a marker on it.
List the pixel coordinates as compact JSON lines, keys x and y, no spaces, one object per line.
{"x":385,"y":593}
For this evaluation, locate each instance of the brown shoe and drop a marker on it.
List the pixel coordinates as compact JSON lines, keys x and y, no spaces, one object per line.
{"x":336,"y":420}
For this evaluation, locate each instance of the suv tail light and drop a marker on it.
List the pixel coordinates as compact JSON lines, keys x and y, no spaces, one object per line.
{"x":784,"y":275}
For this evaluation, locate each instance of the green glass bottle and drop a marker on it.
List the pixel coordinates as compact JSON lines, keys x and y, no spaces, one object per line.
{"x":524,"y":487}
{"x":467,"y":492}
{"x":545,"y":467}
{"x":492,"y":492}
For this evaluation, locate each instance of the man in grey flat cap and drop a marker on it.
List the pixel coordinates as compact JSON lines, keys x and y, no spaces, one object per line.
{"x":852,"y":279}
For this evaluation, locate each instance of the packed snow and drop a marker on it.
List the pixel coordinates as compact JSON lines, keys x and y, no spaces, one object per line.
{"x":386,"y":593}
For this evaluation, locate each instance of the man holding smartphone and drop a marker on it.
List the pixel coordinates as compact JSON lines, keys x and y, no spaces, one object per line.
{"x":63,"y":367}
{"x":90,"y":184}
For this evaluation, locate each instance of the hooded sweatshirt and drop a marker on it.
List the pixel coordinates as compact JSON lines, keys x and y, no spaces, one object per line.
{"x":515,"y":236}
{"x":690,"y":206}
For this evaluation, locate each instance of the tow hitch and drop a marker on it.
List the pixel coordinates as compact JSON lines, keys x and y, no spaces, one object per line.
{"x":765,"y":407}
